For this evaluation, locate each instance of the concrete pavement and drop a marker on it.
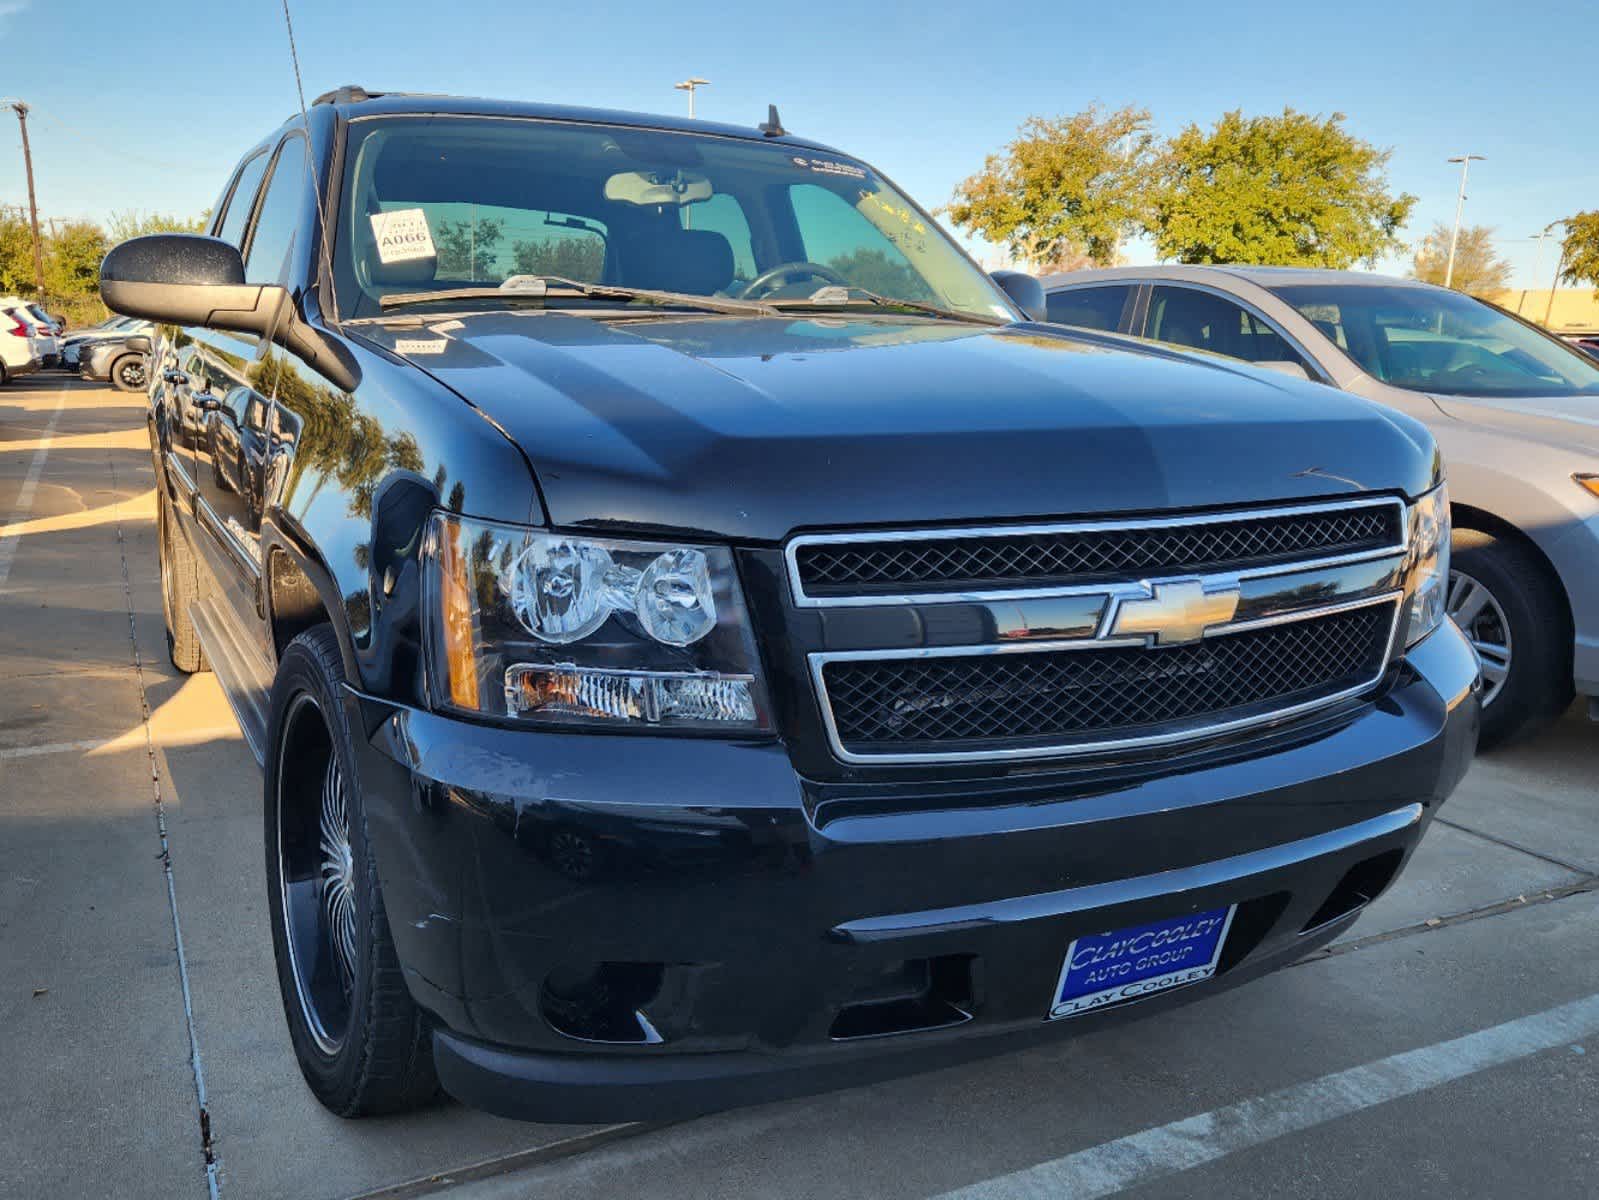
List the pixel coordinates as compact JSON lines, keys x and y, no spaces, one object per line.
{"x":137,"y":1070}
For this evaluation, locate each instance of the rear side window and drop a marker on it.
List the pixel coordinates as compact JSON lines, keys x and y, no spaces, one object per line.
{"x":1186,"y":317}
{"x":243,"y":199}
{"x":277,"y":224}
{"x":1089,"y":307}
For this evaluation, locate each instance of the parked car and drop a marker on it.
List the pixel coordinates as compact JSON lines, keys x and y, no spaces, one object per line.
{"x":1510,"y":406}
{"x":714,"y":646}
{"x":18,"y":355}
{"x":46,"y":345}
{"x":115,"y":329}
{"x":1588,"y":345}
{"x":115,"y":361}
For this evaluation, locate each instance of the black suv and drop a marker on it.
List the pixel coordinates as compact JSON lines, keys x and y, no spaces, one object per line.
{"x":705,"y":642}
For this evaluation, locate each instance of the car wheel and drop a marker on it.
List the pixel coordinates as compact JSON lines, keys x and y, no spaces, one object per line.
{"x":128,"y":374}
{"x":1510,"y":609}
{"x":361,"y":1041}
{"x":179,"y":588}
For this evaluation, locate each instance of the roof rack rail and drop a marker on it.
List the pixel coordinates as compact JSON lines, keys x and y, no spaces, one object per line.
{"x":350,"y":93}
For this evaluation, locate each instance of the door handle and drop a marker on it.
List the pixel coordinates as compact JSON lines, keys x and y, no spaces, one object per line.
{"x":175,"y":378}
{"x":207,"y":403}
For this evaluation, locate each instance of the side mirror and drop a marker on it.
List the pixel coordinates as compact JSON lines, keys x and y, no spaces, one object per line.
{"x":1287,"y":367}
{"x":189,"y":279}
{"x":1024,"y":290}
{"x":139,"y":342}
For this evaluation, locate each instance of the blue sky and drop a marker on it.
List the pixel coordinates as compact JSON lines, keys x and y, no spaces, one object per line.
{"x":142,"y":113}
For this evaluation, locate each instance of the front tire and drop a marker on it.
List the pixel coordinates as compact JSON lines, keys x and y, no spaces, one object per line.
{"x":361,"y":1041}
{"x":1510,"y":608}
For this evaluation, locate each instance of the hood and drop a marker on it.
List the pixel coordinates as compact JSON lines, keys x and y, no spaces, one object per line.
{"x":1569,"y":422}
{"x":749,"y":429}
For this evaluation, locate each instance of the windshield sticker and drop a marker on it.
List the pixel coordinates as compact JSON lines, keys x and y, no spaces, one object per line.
{"x":421,"y":345}
{"x":402,"y":235}
{"x":903,"y":215}
{"x":827,"y":167}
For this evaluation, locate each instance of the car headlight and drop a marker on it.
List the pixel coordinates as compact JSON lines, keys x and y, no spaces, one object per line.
{"x":1429,"y":569}
{"x":527,"y":624}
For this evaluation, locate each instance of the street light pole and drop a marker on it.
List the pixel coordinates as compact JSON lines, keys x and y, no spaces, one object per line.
{"x":688,"y":85}
{"x":1560,"y":265}
{"x":21,"y":110}
{"x":1465,"y":161}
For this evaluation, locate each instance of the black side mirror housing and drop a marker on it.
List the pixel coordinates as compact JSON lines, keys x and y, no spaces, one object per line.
{"x":190,"y":279}
{"x":1025,"y":292}
{"x":139,"y":342}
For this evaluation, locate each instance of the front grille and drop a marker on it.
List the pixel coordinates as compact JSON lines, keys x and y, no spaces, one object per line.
{"x":997,"y":702}
{"x":1024,"y":559}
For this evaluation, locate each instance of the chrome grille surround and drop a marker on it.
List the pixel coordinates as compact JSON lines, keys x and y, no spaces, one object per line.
{"x":1093,"y":581}
{"x":1152,"y":735}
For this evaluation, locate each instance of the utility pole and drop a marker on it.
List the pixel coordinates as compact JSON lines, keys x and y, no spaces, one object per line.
{"x":21,"y":110}
{"x":1560,"y":265}
{"x":688,"y":85}
{"x":1465,"y":161}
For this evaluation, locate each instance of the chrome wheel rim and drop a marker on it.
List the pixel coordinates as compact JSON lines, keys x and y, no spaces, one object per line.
{"x":316,"y":873}
{"x":1473,"y":607}
{"x":133,"y":374}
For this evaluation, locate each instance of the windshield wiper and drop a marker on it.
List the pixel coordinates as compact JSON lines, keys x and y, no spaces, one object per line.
{"x":834,"y":296}
{"x":537,"y":289}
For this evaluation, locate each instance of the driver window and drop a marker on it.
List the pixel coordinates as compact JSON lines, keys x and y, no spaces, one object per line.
{"x":836,"y":235}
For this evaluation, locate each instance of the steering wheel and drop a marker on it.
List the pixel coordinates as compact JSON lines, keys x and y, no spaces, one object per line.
{"x":768,"y":282}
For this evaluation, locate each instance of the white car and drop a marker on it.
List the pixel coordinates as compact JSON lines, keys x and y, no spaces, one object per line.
{"x":17,"y":355}
{"x":46,"y":342}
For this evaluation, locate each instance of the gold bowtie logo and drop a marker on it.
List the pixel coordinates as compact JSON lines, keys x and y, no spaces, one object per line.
{"x":1175,"y":613}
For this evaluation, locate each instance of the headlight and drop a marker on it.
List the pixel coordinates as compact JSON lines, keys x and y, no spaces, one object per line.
{"x":527,"y":624}
{"x":1429,"y":571}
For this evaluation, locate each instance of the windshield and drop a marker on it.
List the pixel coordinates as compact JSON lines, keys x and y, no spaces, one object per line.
{"x":1431,"y":340}
{"x":443,"y":203}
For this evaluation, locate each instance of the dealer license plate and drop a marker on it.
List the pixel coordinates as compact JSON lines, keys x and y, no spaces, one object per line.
{"x":1130,"y":964}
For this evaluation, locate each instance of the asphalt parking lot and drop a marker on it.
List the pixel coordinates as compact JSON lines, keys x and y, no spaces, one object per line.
{"x":1448,"y":1045}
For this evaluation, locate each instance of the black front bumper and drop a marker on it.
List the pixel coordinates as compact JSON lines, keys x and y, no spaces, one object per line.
{"x":615,"y":928}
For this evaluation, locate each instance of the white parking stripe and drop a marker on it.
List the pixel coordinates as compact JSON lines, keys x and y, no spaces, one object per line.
{"x":1142,"y":1157}
{"x":8,"y":545}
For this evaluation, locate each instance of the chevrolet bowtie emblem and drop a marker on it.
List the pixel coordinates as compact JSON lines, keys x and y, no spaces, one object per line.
{"x":1174,"y":613}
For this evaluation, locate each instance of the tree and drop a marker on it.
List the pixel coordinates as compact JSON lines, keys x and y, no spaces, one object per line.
{"x":875,"y":271}
{"x":1066,"y":187}
{"x":1479,"y":271}
{"x":72,"y":259}
{"x":16,"y":254}
{"x":579,"y":258}
{"x":132,"y":223}
{"x":468,"y":249}
{"x":1292,"y":190}
{"x":1580,"y":249}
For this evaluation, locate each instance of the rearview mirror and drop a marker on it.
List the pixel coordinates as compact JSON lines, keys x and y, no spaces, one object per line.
{"x":1025,"y":291}
{"x":1286,"y":367}
{"x":189,"y":279}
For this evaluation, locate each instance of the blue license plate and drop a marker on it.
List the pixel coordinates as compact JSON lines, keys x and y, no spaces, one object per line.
{"x":1130,"y":964}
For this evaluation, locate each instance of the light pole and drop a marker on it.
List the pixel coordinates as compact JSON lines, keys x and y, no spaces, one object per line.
{"x":1465,"y":161}
{"x":1560,"y":265}
{"x":1537,"y":271}
{"x":688,"y":85}
{"x":21,"y":110}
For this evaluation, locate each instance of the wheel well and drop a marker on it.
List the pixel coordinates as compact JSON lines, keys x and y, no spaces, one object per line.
{"x":1464,"y":516}
{"x":293,"y":602}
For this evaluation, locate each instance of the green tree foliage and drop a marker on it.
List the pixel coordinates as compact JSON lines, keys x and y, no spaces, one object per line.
{"x":581,"y":258}
{"x":877,"y":272}
{"x":469,"y":250}
{"x":1292,"y":190}
{"x":72,"y":259}
{"x":16,"y":254}
{"x":1479,"y":271}
{"x":1581,"y":249}
{"x":1064,"y":188}
{"x":132,"y":223}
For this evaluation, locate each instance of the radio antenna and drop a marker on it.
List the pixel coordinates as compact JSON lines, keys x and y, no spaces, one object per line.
{"x":310,"y":166}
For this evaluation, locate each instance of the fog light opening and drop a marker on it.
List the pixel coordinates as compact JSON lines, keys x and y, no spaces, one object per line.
{"x":1361,"y":884}
{"x":603,"y":1002}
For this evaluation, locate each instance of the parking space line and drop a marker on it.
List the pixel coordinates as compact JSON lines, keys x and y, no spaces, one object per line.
{"x":207,"y":1146}
{"x":30,"y":484}
{"x":1151,"y":1154}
